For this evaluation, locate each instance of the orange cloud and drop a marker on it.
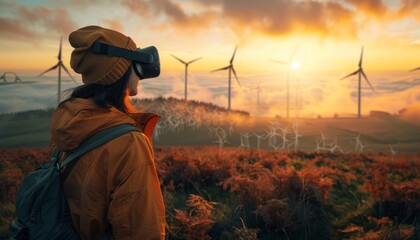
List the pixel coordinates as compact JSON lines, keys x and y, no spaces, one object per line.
{"x":34,"y":23}
{"x":409,"y":8}
{"x":114,"y":24}
{"x":13,"y":29}
{"x":267,"y":17}
{"x":372,"y":7}
{"x":338,"y":19}
{"x":411,"y":114}
{"x":176,"y":16}
{"x":283,"y":17}
{"x":48,"y":19}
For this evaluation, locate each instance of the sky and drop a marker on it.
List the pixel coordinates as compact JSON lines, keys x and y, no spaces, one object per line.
{"x":326,"y":37}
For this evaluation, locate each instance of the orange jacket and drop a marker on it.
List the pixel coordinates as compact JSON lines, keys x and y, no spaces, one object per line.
{"x":115,"y":184}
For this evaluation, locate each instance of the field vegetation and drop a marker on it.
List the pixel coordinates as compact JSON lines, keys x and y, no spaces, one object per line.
{"x":229,"y":193}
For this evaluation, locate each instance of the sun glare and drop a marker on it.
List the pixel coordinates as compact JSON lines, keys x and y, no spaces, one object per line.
{"x":295,"y":65}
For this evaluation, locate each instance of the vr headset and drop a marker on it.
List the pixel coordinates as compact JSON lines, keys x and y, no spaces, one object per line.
{"x":145,"y":61}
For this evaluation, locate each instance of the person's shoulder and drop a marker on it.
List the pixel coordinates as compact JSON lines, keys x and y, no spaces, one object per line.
{"x":131,"y":149}
{"x":134,"y":136}
{"x":135,"y":141}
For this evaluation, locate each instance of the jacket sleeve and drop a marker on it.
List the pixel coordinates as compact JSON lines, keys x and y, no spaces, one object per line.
{"x":136,"y":209}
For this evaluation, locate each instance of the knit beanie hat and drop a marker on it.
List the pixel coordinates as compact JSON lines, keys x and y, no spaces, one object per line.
{"x":98,"y":68}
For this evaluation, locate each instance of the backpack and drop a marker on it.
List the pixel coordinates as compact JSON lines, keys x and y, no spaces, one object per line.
{"x":41,"y":206}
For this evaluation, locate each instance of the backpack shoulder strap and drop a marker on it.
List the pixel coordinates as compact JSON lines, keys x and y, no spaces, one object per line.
{"x":98,"y":139}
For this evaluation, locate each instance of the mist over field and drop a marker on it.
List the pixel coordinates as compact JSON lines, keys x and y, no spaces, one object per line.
{"x":319,"y":94}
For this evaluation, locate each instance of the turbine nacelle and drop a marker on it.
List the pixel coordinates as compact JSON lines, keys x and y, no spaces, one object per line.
{"x":231,"y":69}
{"x":186,"y":70}
{"x":360,"y":71}
{"x":360,"y":74}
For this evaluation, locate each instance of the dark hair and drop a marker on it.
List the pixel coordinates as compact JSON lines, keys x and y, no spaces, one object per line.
{"x":105,"y":96}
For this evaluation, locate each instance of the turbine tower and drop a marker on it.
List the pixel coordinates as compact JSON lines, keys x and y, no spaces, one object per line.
{"x":231,"y":69}
{"x":186,"y":71}
{"x":298,"y":97}
{"x":259,"y":89}
{"x":288,"y":63}
{"x":59,"y":65}
{"x":360,"y":73}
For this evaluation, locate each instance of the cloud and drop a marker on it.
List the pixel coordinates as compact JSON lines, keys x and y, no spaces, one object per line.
{"x":266,"y":17}
{"x":22,"y":97}
{"x":114,"y":24}
{"x":409,"y":8}
{"x":82,"y":3}
{"x":13,"y":29}
{"x":411,"y":114}
{"x":180,"y":18}
{"x":33,"y":23}
{"x":372,"y":7}
{"x":176,"y":16}
{"x":47,"y":19}
{"x":338,"y":19}
{"x":137,"y":6}
{"x":397,"y":86}
{"x":284,"y":17}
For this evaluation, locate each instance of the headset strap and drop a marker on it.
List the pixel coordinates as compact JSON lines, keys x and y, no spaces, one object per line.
{"x":103,"y":48}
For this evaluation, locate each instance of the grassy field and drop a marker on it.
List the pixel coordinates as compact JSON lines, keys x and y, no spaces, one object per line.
{"x":234,"y":176}
{"x":25,"y":129}
{"x":229,"y":193}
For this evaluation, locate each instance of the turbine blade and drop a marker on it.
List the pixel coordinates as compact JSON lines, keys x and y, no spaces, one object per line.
{"x":223,"y":68}
{"x":361,"y":58}
{"x":281,"y":62}
{"x":293,"y":53}
{"x":351,"y":74}
{"x":233,"y":56}
{"x":49,"y":69}
{"x":415,"y":69}
{"x":67,"y":71}
{"x":367,"y":80}
{"x":178,"y":59}
{"x":59,"y":51}
{"x":195,"y":60}
{"x":234,"y":73}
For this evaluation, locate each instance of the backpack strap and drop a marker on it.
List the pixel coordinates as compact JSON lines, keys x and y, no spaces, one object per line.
{"x":96,"y":140}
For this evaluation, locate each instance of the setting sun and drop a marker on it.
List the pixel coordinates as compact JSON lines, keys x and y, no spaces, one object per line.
{"x":295,"y":65}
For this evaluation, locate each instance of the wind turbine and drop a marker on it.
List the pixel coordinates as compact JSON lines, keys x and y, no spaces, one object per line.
{"x":360,"y":73}
{"x":259,"y":89}
{"x":59,"y":65}
{"x":186,"y":71}
{"x":298,"y":97}
{"x":231,"y":69}
{"x":288,"y":63}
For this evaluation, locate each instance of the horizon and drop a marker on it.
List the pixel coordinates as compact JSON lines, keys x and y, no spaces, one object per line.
{"x":314,"y":98}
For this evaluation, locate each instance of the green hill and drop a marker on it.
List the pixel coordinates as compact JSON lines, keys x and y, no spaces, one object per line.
{"x":25,"y":129}
{"x":32,"y":128}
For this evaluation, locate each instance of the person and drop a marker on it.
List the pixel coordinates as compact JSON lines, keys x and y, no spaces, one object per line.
{"x":115,"y":186}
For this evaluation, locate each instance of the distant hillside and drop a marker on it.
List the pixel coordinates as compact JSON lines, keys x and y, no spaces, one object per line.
{"x":159,"y":104}
{"x":32,"y":128}
{"x":25,"y":129}
{"x":195,"y":123}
